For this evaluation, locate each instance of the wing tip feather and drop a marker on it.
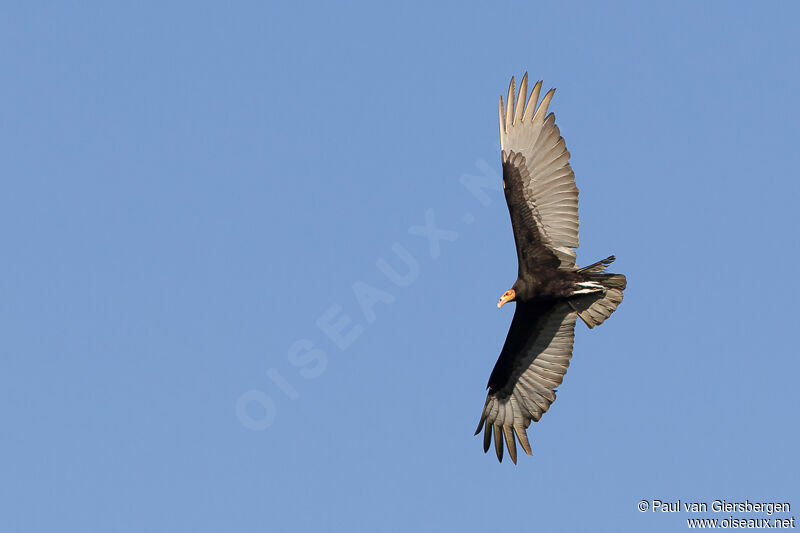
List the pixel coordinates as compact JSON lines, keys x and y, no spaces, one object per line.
{"x":508,"y":434}
{"x":498,"y":443}
{"x":522,"y":437}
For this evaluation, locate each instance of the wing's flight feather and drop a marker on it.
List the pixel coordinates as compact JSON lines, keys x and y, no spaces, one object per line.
{"x":538,"y":178}
{"x":533,"y":362}
{"x":523,"y":90}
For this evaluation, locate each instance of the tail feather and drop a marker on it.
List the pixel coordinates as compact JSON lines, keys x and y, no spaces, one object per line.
{"x":599,"y":266}
{"x":610,"y":281}
{"x":595,"y":308}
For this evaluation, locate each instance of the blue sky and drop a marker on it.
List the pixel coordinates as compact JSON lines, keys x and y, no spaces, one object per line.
{"x":190,"y":190}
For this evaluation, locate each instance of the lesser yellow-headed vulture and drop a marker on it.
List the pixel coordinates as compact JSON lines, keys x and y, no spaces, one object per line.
{"x":551,"y":291}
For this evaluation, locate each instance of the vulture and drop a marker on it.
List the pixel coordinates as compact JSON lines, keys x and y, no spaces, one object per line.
{"x":551,"y":292}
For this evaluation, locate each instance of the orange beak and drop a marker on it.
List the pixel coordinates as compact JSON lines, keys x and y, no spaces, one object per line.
{"x":507,"y":297}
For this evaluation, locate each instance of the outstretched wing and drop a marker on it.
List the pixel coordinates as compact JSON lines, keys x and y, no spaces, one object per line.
{"x":539,"y":183}
{"x":523,"y":383}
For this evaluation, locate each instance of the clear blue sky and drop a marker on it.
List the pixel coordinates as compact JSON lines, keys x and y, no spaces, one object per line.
{"x":190,"y":190}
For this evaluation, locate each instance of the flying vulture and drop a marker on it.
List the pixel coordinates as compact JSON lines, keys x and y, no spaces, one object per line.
{"x":551,"y":291}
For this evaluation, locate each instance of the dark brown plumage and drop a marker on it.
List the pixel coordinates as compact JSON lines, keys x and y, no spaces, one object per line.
{"x":551,"y":292}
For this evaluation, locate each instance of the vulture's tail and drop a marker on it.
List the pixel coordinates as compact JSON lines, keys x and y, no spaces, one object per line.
{"x":596,"y":307}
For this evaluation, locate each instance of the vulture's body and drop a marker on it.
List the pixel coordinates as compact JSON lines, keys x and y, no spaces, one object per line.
{"x":551,"y":291}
